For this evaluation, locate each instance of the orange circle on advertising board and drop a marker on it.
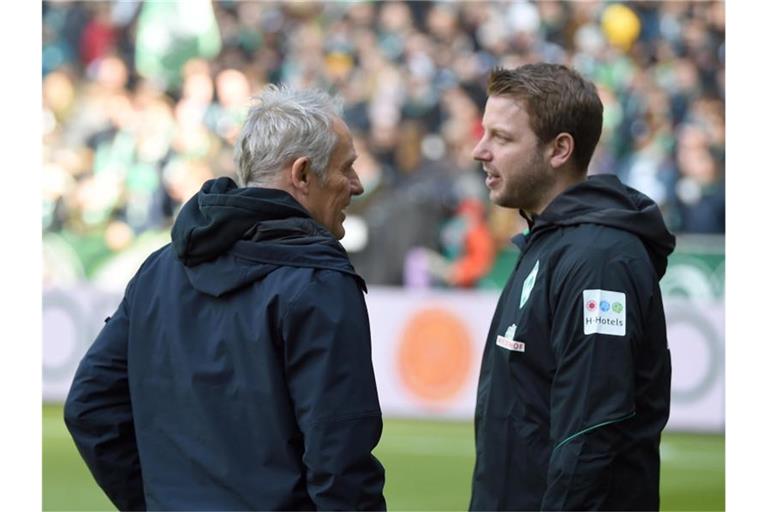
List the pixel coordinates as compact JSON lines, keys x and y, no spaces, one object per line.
{"x":434,"y":354}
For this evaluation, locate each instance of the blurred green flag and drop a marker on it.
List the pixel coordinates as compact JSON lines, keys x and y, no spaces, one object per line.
{"x":169,"y":33}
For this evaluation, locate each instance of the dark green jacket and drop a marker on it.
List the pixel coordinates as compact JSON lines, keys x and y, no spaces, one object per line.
{"x":574,"y":387}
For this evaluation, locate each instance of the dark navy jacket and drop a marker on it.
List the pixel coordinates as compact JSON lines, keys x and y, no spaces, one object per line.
{"x":574,"y":386}
{"x":236,"y":373}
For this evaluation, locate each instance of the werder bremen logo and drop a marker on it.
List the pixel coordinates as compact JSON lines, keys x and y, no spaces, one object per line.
{"x":528,"y":285}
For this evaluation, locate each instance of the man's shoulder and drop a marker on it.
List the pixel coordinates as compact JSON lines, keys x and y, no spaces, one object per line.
{"x":163,"y":256}
{"x":328,"y":281}
{"x":594,"y":246}
{"x":597,"y":240}
{"x":321,"y":283}
{"x":318,"y":289}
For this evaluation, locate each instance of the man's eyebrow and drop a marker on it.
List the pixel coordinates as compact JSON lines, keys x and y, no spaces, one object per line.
{"x":498,"y":131}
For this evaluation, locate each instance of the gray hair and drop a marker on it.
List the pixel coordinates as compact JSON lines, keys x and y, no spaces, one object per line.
{"x":285,"y":124}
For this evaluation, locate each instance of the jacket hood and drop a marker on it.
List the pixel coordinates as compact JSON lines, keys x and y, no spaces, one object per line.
{"x":228,"y":237}
{"x":604,"y":200}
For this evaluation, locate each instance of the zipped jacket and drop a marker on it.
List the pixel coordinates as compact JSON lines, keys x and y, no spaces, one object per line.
{"x":236,"y":372}
{"x":574,"y":387}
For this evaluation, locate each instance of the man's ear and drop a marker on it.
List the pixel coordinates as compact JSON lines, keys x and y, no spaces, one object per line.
{"x":301,"y":175}
{"x":562,"y":149}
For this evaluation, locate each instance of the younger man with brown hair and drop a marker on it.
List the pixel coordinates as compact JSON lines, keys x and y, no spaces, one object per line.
{"x":575,"y":380}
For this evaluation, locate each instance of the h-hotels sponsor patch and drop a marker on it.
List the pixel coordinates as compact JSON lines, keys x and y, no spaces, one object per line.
{"x":605,"y":312}
{"x":508,"y":340}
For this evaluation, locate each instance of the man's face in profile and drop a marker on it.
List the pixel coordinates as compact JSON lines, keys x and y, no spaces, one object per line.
{"x":329,"y":198}
{"x":516,"y":173}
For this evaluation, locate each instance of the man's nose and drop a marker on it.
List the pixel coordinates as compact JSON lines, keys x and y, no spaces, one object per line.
{"x":480,"y":152}
{"x":356,"y":188}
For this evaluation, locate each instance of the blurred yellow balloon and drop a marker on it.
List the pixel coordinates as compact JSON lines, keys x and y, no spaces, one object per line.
{"x":621,"y":26}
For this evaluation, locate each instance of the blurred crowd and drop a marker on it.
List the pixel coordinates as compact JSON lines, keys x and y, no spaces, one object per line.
{"x":142,"y":103}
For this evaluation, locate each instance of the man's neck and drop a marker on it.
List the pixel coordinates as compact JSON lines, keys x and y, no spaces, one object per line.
{"x":561,"y":185}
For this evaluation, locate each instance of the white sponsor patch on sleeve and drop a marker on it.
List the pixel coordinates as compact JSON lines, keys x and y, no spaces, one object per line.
{"x":515,"y":346}
{"x":605,"y":312}
{"x":508,"y":340}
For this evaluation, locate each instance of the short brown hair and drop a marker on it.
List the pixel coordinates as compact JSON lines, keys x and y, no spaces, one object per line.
{"x":557,"y":100}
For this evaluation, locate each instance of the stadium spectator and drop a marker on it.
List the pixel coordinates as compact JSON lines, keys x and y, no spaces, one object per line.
{"x":701,"y":188}
{"x":574,"y":387}
{"x":657,"y":65}
{"x":236,"y":373}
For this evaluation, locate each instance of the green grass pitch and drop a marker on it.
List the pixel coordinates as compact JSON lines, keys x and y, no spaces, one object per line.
{"x":428,"y":464}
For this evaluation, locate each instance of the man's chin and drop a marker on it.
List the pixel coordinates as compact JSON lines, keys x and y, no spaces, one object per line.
{"x":500,"y":199}
{"x":497,"y":198}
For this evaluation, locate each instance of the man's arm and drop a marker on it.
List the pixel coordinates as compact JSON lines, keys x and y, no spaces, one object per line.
{"x":99,"y":417}
{"x":596,"y":322}
{"x":331,"y":381}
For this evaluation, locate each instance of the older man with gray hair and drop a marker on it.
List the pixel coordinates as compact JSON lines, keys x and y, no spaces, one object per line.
{"x":236,"y":372}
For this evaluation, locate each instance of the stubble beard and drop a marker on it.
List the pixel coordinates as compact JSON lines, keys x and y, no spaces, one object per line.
{"x":526,"y":189}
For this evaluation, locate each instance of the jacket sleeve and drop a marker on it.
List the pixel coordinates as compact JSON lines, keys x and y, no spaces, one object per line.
{"x":331,"y":381}
{"x":597,"y":320}
{"x":98,"y":415}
